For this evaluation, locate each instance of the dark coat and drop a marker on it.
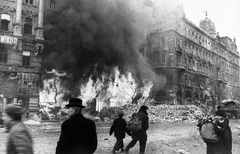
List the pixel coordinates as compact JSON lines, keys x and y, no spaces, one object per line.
{"x":142,"y":134}
{"x":78,"y":136}
{"x":224,"y":145}
{"x":119,"y":128}
{"x":19,"y":139}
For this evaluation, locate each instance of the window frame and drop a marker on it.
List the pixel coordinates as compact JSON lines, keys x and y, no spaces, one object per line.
{"x":3,"y":57}
{"x":9,"y":21}
{"x":28,"y":30}
{"x":52,"y":5}
{"x":30,"y":2}
{"x":26,"y":57}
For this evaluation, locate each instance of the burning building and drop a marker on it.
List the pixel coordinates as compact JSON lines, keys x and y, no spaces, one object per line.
{"x":21,"y":46}
{"x":96,"y":43}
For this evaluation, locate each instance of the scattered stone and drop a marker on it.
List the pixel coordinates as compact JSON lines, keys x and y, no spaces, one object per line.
{"x":32,"y":122}
{"x":181,"y":151}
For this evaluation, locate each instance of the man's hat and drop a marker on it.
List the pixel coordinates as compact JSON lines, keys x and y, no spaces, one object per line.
{"x":75,"y":102}
{"x":120,"y":113}
{"x":144,"y":107}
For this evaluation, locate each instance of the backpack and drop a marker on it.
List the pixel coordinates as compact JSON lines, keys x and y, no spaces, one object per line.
{"x":134,"y":125}
{"x":210,"y":130}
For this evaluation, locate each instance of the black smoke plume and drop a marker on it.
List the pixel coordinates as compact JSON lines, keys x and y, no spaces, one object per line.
{"x":86,"y":38}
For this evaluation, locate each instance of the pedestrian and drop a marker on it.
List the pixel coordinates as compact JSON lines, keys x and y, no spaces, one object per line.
{"x":141,"y":135}
{"x":224,"y":144}
{"x":119,"y":128}
{"x":19,"y":139}
{"x":78,"y":134}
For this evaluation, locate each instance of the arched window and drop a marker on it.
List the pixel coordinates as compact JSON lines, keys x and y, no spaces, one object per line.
{"x":28,"y":26}
{"x":5,"y":20}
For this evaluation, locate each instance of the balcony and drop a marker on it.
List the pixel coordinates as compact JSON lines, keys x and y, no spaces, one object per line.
{"x":178,"y":49}
{"x":8,"y":33}
{"x":28,"y":37}
{"x":181,"y":67}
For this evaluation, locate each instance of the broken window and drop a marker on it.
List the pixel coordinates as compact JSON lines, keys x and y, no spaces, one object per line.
{"x":28,"y":26}
{"x":5,"y":20}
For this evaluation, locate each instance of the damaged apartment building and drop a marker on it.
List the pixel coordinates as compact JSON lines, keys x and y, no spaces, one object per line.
{"x":21,"y":46}
{"x":198,"y":64}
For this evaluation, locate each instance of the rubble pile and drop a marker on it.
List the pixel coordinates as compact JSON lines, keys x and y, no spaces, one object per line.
{"x":159,"y":113}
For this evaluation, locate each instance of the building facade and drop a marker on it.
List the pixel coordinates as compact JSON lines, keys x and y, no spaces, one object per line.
{"x":21,"y":46}
{"x":199,"y":65}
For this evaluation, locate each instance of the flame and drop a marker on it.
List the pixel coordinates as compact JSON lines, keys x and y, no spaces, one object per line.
{"x":116,"y":90}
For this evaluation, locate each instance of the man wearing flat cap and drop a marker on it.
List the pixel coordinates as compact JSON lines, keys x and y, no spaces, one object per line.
{"x":19,"y":139}
{"x":141,"y":135}
{"x":78,"y":134}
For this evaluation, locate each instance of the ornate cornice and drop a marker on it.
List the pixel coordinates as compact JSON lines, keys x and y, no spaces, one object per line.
{"x":29,"y":11}
{"x":7,"y":7}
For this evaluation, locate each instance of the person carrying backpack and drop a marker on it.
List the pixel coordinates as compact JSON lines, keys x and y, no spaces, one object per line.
{"x":140,"y":135}
{"x":119,"y":128}
{"x":222,"y":144}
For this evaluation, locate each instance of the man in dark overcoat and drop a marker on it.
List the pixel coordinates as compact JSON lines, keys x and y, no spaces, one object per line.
{"x":224,"y":145}
{"x":141,"y":135}
{"x":119,"y":129}
{"x":78,"y":134}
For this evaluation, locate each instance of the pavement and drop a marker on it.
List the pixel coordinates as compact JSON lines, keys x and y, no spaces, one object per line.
{"x":164,"y":138}
{"x":45,"y":138}
{"x":46,"y":135}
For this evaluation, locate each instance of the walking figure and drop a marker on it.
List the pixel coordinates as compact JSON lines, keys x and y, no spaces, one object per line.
{"x":19,"y":139}
{"x":216,"y":133}
{"x":119,"y":129}
{"x":78,"y":134}
{"x":141,"y":135}
{"x":224,"y":145}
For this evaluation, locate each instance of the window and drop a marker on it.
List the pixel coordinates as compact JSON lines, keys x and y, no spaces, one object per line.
{"x":27,"y":26}
{"x":52,"y":4}
{"x":3,"y":57}
{"x":29,"y":2}
{"x":26,"y":58}
{"x":5,"y":20}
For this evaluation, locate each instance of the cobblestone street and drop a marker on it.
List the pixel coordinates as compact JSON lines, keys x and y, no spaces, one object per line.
{"x":164,"y":138}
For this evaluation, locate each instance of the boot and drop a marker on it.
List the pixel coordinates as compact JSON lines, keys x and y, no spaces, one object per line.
{"x":122,"y":150}
{"x":113,"y":151}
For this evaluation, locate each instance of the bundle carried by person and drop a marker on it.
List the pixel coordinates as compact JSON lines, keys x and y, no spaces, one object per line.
{"x":134,"y":125}
{"x":210,"y":127}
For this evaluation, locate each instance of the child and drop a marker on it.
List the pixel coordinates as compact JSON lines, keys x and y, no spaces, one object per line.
{"x":119,"y":129}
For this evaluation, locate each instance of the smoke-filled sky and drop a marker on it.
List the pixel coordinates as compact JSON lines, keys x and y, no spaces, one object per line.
{"x":91,"y":37}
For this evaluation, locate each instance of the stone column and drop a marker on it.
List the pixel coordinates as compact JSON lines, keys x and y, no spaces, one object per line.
{"x":39,"y":35}
{"x":17,"y":24}
{"x":40,"y":13}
